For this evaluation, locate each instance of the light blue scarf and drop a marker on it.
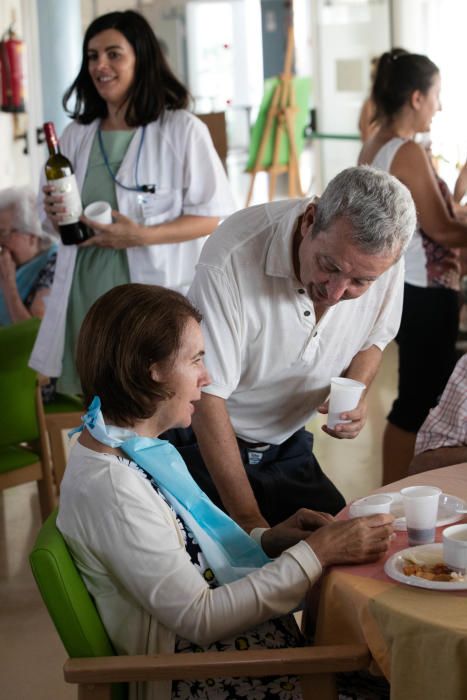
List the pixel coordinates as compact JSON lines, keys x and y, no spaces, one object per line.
{"x":26,"y":276}
{"x":229,"y":551}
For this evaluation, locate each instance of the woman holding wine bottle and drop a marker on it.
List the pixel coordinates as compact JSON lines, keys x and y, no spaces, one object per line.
{"x":133,"y":144}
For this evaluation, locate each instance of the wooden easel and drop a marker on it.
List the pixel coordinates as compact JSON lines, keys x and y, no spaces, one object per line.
{"x":281,"y":115}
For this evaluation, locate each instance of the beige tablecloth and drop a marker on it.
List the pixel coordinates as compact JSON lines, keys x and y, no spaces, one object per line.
{"x":417,"y":637}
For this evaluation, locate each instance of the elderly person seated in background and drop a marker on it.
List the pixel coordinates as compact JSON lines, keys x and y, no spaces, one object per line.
{"x":27,"y":257}
{"x":442,"y":439}
{"x":167,"y":569}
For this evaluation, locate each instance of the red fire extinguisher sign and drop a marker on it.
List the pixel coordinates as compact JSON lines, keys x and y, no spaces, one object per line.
{"x":11,"y":73}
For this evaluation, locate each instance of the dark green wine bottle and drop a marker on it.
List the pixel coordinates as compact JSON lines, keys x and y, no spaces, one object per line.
{"x":58,"y":170}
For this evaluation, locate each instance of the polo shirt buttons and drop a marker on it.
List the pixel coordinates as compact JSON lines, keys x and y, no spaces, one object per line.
{"x":306,"y":313}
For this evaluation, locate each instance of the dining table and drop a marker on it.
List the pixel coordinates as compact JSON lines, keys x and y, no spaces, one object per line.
{"x":417,"y":637}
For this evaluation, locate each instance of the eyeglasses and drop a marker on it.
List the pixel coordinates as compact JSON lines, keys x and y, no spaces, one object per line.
{"x":6,"y":233}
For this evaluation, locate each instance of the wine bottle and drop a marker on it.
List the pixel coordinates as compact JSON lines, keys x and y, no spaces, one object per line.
{"x":59,"y":171}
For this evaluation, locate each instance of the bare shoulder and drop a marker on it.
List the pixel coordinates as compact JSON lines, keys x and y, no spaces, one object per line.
{"x":411,"y":154}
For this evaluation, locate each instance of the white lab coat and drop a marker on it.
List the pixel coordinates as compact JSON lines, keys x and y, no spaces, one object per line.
{"x":179,"y":158}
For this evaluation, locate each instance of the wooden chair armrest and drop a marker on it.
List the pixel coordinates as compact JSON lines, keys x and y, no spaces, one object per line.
{"x":278,"y":662}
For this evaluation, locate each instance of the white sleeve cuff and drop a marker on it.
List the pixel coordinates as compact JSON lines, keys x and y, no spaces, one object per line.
{"x":305,"y":556}
{"x":257,"y":533}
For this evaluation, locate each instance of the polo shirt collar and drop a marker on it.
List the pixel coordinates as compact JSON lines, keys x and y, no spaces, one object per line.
{"x":279,"y":261}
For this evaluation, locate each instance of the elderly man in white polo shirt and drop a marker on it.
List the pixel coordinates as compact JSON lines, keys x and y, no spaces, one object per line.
{"x":292,"y":293}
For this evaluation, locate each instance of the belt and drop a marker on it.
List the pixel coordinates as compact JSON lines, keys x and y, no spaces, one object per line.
{"x":260,"y":446}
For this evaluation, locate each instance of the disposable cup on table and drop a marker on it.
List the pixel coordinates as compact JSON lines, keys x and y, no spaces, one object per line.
{"x":455,"y":547}
{"x":99,"y":212}
{"x":421,"y":513}
{"x":371,"y":505}
{"x":345,"y":395}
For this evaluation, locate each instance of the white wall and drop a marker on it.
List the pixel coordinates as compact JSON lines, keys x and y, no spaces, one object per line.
{"x":440,"y":27}
{"x":15,"y":167}
{"x":224,"y":59}
{"x":345,"y":38}
{"x":13,"y":164}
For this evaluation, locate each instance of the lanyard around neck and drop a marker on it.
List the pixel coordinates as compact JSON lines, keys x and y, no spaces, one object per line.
{"x":138,"y":187}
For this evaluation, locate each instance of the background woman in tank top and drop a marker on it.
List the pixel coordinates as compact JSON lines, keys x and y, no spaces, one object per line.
{"x":406,"y":93}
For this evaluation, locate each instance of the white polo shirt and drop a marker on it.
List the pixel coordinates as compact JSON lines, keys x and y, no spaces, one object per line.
{"x":265,"y":352}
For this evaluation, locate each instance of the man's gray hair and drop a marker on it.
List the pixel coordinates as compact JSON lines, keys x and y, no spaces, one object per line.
{"x":23,"y":201}
{"x":378,"y":206}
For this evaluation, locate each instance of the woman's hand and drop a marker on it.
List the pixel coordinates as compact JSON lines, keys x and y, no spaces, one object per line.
{"x":352,"y":541}
{"x":298,"y":527}
{"x":7,"y":270}
{"x":53,"y":205}
{"x":15,"y":306}
{"x":357,"y":418}
{"x":123,"y":233}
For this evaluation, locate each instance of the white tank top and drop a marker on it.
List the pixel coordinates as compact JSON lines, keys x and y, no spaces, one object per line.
{"x":415,"y":256}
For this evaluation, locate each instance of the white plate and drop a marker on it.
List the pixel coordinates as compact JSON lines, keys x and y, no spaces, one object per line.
{"x":393,"y":568}
{"x":447,"y":510}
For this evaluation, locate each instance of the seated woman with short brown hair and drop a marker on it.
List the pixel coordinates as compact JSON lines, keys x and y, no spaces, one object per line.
{"x":167,"y":569}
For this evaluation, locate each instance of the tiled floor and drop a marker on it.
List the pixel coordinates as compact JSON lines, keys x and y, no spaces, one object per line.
{"x":31,"y":654}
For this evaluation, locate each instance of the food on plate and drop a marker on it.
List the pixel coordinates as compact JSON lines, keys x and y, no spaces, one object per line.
{"x":437,"y":571}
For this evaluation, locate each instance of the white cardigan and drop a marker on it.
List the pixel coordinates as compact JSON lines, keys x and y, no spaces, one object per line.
{"x":130,"y":551}
{"x":179,"y":158}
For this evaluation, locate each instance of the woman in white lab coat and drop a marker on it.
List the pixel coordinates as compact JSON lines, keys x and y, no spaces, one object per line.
{"x":133,"y":144}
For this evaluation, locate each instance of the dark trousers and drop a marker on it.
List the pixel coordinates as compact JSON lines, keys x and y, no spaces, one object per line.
{"x":283,"y":477}
{"x":427,"y":352}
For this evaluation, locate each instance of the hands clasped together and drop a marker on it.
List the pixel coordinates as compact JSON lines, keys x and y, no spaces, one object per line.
{"x":333,"y":541}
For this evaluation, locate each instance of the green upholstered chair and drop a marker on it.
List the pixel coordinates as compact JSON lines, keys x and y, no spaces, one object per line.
{"x":69,"y":604}
{"x":102,"y":676}
{"x":24,"y":455}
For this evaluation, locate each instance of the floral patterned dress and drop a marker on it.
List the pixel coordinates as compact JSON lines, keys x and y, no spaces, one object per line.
{"x":273,"y":634}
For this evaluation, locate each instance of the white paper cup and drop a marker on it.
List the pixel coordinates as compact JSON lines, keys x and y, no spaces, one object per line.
{"x":100,"y":212}
{"x":421,"y":513}
{"x":371,"y":505}
{"x":455,"y":547}
{"x":345,"y":395}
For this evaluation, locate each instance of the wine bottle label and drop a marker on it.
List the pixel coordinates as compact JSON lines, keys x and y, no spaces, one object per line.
{"x":67,"y":188}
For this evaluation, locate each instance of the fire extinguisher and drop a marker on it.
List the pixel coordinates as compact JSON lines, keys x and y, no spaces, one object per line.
{"x":11,"y":72}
